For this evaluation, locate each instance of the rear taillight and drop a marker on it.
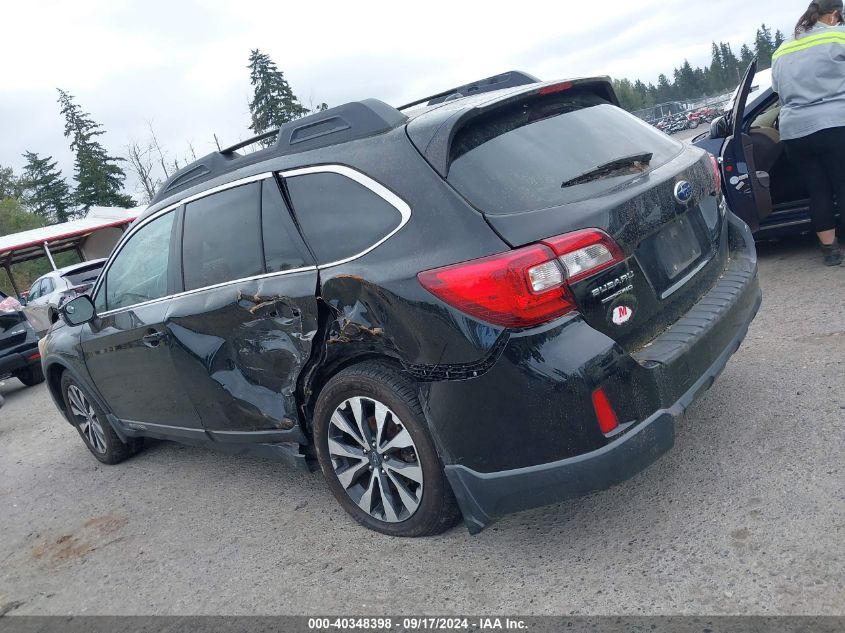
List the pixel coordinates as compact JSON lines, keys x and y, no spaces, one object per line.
{"x":585,"y":253}
{"x":526,"y":286}
{"x":717,"y":173}
{"x":83,"y":288}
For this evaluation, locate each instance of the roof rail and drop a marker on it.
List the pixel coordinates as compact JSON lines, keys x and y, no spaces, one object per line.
{"x":250,"y":141}
{"x":343,"y":123}
{"x":510,"y":79}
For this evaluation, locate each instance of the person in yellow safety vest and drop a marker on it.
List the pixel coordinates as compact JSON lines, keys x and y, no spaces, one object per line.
{"x":808,"y":73}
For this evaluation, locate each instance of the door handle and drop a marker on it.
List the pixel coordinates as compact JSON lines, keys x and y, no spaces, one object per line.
{"x":153,"y":338}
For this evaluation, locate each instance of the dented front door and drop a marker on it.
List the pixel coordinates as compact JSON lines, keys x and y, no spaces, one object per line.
{"x":239,"y":349}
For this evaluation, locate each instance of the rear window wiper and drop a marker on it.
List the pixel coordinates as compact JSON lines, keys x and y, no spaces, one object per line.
{"x":637,"y":161}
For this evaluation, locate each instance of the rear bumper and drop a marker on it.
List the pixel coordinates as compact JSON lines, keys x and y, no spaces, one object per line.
{"x":650,"y":389}
{"x":20,"y":359}
{"x":483,"y":497}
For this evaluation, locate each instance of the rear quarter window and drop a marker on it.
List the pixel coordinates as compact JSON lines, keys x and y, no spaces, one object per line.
{"x":516,"y":159}
{"x":339,"y":217}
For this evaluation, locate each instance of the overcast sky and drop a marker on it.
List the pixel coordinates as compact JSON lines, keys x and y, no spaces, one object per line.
{"x":181,"y":66}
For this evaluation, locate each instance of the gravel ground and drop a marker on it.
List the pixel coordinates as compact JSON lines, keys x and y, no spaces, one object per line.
{"x":744,"y":515}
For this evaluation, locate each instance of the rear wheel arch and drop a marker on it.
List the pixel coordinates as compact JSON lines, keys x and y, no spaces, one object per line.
{"x":325,"y":371}
{"x":54,"y":383}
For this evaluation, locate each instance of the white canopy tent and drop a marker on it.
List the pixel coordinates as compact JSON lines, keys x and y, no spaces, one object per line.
{"x":92,"y":237}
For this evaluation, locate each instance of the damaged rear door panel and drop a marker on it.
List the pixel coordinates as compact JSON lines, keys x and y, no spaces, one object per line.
{"x":243,"y":329}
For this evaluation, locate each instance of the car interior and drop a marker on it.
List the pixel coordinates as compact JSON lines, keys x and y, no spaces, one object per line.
{"x":786,"y":186}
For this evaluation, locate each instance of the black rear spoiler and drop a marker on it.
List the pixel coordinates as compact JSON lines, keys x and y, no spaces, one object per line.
{"x":432,"y":132}
{"x":510,"y":79}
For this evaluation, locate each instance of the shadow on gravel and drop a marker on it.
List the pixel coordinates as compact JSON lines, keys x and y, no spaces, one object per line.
{"x":11,"y":388}
{"x":801,"y":245}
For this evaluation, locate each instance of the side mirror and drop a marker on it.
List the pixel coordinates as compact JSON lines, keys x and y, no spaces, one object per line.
{"x":78,"y":310}
{"x":22,"y":300}
{"x":719,"y":127}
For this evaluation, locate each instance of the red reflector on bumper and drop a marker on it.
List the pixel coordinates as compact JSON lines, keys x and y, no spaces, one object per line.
{"x":35,"y":356}
{"x":604,"y":412}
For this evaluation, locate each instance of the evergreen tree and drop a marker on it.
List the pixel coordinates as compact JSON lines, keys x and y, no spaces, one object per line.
{"x":764,"y":46}
{"x":273,"y":102}
{"x":716,"y":76}
{"x":746,"y":56}
{"x":9,"y":183}
{"x":665,"y":91}
{"x":779,"y":39}
{"x":730,"y":67}
{"x":99,"y":178}
{"x":688,"y":82}
{"x":45,"y":191}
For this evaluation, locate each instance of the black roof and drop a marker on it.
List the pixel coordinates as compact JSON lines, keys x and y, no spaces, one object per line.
{"x":343,"y":123}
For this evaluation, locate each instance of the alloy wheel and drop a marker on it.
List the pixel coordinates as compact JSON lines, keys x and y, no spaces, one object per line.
{"x":375,"y":459}
{"x":86,"y":419}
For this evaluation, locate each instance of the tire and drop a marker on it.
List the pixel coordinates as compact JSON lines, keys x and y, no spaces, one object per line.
{"x":31,"y":376}
{"x":403,"y":445}
{"x":93,"y":426}
{"x":54,"y":316}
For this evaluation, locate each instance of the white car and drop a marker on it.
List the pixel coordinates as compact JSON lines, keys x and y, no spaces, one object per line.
{"x":50,"y":291}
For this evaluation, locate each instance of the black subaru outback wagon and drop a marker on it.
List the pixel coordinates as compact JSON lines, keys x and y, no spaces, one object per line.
{"x":493,"y":299}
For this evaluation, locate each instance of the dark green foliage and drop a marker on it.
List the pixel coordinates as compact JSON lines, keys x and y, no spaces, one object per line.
{"x":764,"y":46}
{"x":688,"y":84}
{"x":273,"y":102}
{"x":14,"y":218}
{"x":10,"y":186}
{"x":44,"y":190}
{"x":746,"y":56}
{"x":98,"y":176}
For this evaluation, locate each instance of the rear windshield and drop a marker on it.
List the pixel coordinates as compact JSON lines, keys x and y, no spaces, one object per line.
{"x":88,"y":274}
{"x":526,"y":156}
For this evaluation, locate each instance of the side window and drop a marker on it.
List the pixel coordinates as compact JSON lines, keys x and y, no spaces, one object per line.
{"x":282,"y":245}
{"x":47,"y":286}
{"x":139,"y":271}
{"x":222,"y":237}
{"x":35,"y":291}
{"x":339,"y":217}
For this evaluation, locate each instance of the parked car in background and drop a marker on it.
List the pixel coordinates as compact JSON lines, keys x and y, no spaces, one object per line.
{"x":380,"y":295}
{"x":50,"y":291}
{"x":762,"y":184}
{"x":19,"y":356}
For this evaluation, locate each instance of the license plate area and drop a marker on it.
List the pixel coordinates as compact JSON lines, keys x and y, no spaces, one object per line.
{"x":671,"y":256}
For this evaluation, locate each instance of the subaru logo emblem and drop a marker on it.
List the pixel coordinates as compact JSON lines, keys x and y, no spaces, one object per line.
{"x":683,"y":192}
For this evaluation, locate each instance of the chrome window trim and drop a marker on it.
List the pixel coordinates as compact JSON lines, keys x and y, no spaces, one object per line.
{"x":128,"y":235}
{"x":227,"y":185}
{"x":376,"y":187}
{"x":186,"y":293}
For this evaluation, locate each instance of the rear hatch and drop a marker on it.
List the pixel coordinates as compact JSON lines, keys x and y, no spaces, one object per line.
{"x":82,"y":277}
{"x":559,"y":158}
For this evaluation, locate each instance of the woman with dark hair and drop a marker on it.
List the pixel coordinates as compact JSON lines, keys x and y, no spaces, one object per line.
{"x":808,"y":73}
